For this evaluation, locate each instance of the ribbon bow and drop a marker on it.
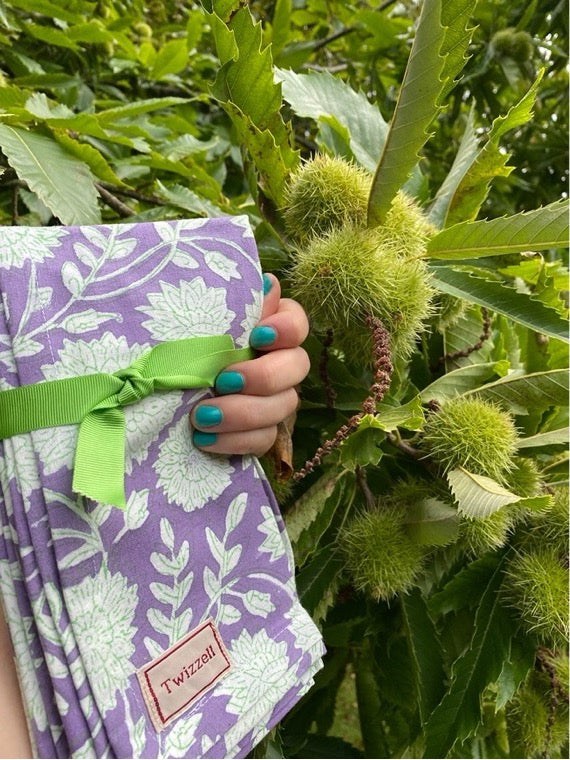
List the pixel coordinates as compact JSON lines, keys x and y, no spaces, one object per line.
{"x":97,"y":403}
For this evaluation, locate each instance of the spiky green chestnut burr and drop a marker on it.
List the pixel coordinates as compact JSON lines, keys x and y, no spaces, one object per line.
{"x":281,"y":488}
{"x":348,"y":274}
{"x":324,"y":194}
{"x":516,"y":45}
{"x":448,"y":311}
{"x":380,"y":558}
{"x":472,"y":433}
{"x":524,"y":479}
{"x":535,"y":729}
{"x":480,"y":536}
{"x":537,"y":587}
{"x":550,"y":527}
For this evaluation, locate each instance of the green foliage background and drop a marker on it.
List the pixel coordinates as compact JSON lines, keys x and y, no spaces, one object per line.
{"x":115,"y":110}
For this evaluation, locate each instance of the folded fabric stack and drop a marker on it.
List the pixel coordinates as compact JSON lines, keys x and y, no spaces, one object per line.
{"x":196,"y":574}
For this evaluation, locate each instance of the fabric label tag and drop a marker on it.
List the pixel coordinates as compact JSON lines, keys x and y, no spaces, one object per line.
{"x":172,"y":682}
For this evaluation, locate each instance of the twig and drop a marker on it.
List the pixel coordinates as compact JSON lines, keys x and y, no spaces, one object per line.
{"x":363,"y":483}
{"x":348,"y":29}
{"x":324,"y":369}
{"x":378,"y":389}
{"x":127,"y":192}
{"x":113,"y":202}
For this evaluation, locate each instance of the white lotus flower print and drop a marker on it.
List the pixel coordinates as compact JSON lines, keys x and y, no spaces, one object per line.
{"x":188,"y":476}
{"x":102,"y":609}
{"x":303,"y":629}
{"x":259,"y":677}
{"x":21,"y":244}
{"x":189,"y":310}
{"x":22,"y":464}
{"x":252,"y":317}
{"x":273,"y":542}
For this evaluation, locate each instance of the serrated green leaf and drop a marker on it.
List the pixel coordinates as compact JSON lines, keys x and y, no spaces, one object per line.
{"x":426,"y":653}
{"x":478,"y":496}
{"x":314,"y":580}
{"x":111,"y":115}
{"x":455,"y":15}
{"x":246,"y":89}
{"x":416,"y":107}
{"x":465,"y":587}
{"x":523,"y":394}
{"x":432,"y":523}
{"x":319,"y":96}
{"x":515,"y":669}
{"x":269,"y":160}
{"x":184,"y":198}
{"x":550,"y":438}
{"x":466,"y":154}
{"x":459,"y":713}
{"x":89,"y":155}
{"x":63,"y":183}
{"x":462,"y":336}
{"x":460,"y":381}
{"x":536,"y":230}
{"x":519,"y":307}
{"x":362,"y":447}
{"x":491,"y":162}
{"x":409,"y":416}
{"x":310,"y":516}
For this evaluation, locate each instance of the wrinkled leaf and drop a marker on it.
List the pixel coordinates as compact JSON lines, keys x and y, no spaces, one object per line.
{"x":63,"y":183}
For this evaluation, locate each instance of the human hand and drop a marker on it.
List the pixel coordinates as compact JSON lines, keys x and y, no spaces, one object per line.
{"x":254,"y":396}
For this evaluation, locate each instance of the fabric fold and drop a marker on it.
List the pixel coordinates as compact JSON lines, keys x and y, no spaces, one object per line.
{"x":92,"y":594}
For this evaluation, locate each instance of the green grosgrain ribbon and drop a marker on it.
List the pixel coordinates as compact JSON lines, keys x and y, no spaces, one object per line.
{"x":96,"y":402}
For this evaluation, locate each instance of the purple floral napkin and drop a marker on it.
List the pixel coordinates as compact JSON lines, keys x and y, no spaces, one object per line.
{"x":172,"y":629}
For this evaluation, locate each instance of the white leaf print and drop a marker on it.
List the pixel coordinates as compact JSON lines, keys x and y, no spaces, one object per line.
{"x":86,"y":321}
{"x":163,"y":593}
{"x":163,"y":564}
{"x":95,"y":235}
{"x":258,"y":603}
{"x":211,"y":583}
{"x":230,"y":559}
{"x":166,"y":533}
{"x":25,"y":346}
{"x":72,"y":278}
{"x":136,"y":512}
{"x":228,"y":614}
{"x":184,"y":260}
{"x":216,"y":546}
{"x":235,"y":512}
{"x":85,"y":255}
{"x":222,"y":266}
{"x":159,"y":621}
{"x":120,"y":248}
{"x":153,"y":649}
{"x":182,"y":736}
{"x":168,"y":231}
{"x":139,"y":737}
{"x":42,"y":298}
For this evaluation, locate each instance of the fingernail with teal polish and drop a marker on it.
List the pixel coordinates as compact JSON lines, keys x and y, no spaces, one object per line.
{"x":267,"y":284}
{"x":206,"y":416}
{"x":230,"y":382}
{"x":262,"y":336}
{"x":204,"y":439}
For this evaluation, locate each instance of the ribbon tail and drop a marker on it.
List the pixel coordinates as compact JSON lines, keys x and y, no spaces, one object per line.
{"x":99,"y":470}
